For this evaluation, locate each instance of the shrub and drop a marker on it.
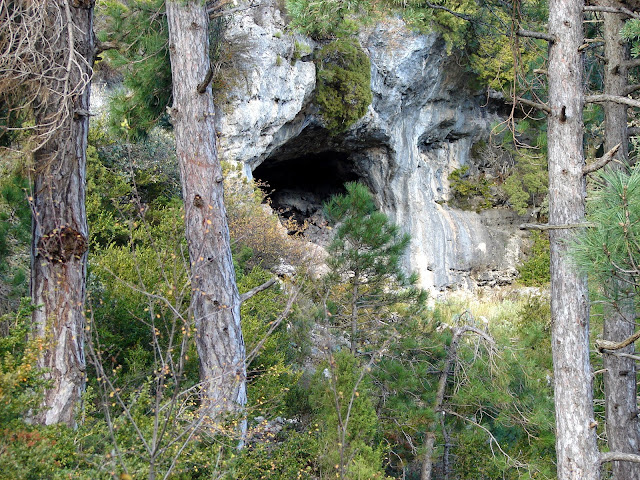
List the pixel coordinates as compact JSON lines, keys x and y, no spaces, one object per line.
{"x":536,"y":270}
{"x":343,"y":89}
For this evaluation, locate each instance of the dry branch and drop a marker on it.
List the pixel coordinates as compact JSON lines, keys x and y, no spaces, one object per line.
{"x":609,"y":345}
{"x":619,"y":457}
{"x":42,"y":69}
{"x":602,"y":98}
{"x":601,"y":162}
{"x":537,"y":35}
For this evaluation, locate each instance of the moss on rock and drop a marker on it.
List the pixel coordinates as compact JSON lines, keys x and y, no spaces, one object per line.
{"x":343,"y":89}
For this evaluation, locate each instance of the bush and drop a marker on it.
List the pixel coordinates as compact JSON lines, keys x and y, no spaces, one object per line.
{"x":343,"y":89}
{"x":535,"y":271}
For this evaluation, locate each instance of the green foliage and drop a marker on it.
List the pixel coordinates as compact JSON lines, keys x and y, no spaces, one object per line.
{"x":327,"y":19}
{"x":528,"y":183}
{"x":510,"y":396}
{"x":343,"y":89}
{"x":535,"y":271}
{"x":15,"y":238}
{"x":366,"y":280}
{"x":465,"y":189}
{"x":270,"y":374}
{"x":20,"y":383}
{"x":609,"y":248}
{"x":291,"y":455}
{"x":139,"y":28}
{"x":349,"y":436}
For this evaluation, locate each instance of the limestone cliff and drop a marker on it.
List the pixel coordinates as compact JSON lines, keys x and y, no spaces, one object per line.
{"x":421,"y":125}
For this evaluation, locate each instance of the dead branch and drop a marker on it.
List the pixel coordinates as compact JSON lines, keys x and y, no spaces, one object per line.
{"x":621,"y":10}
{"x":41,"y":68}
{"x":247,"y":295}
{"x":601,"y":162}
{"x":537,"y":35}
{"x":544,"y":227}
{"x":609,"y":345}
{"x":619,"y":457}
{"x":602,"y":98}
{"x":632,"y":88}
{"x":529,"y":103}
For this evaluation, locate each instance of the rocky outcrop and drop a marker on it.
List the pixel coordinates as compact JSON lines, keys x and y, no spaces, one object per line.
{"x":421,"y":125}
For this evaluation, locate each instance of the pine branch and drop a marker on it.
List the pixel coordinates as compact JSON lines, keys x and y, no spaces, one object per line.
{"x":247,"y":295}
{"x":602,"y":98}
{"x":619,"y":457}
{"x":609,"y":345}
{"x":601,"y":162}
{"x":202,"y":86}
{"x":635,"y":62}
{"x":529,"y":103}
{"x":621,"y":10}
{"x":544,"y":227}
{"x":538,"y":35}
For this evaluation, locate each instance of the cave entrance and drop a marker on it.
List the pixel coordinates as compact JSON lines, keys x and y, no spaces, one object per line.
{"x":300,"y":186}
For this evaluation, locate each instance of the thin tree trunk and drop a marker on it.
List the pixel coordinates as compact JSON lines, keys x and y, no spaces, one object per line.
{"x":576,"y":448}
{"x":621,"y":412}
{"x":215,"y":302}
{"x":59,"y":242}
{"x":430,"y":435}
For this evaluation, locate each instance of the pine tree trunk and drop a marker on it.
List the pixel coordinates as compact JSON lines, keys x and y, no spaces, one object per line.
{"x":59,"y":242}
{"x":576,"y":448}
{"x":215,"y":302}
{"x":621,"y":412}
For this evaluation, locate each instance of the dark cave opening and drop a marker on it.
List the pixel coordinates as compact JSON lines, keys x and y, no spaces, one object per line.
{"x":298,"y":187}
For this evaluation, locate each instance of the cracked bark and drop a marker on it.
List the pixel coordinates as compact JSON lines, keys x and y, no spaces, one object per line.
{"x":576,"y":448}
{"x":59,"y":232}
{"x":215,"y":302}
{"x":621,"y":412}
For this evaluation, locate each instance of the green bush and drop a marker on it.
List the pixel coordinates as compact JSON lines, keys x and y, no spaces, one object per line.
{"x":466,"y":188}
{"x":535,"y":271}
{"x":343,"y":89}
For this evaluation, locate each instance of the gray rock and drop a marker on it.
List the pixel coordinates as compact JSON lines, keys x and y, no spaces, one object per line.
{"x":421,"y":126}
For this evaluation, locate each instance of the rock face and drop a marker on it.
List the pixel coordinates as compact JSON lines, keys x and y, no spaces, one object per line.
{"x":421,"y":125}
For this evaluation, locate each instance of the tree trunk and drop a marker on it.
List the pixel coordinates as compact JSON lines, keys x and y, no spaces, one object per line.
{"x":621,"y":412}
{"x":430,"y":435}
{"x":59,"y":242}
{"x":215,"y":302}
{"x":576,"y":448}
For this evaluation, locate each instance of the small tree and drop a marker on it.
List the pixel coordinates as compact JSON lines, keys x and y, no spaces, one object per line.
{"x":364,"y":260}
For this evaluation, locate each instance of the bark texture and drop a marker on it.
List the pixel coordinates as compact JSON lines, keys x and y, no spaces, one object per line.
{"x":621,"y":412}
{"x":576,"y":448}
{"x":215,"y":302}
{"x":60,"y":234}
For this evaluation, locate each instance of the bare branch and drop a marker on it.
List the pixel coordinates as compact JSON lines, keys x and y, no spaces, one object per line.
{"x":601,"y":162}
{"x":537,"y":35}
{"x":621,"y":10}
{"x":632,"y":88}
{"x":202,"y":86}
{"x":247,"y":295}
{"x":530,"y":103}
{"x":104,"y":46}
{"x":609,"y":345}
{"x":619,"y":457}
{"x":544,"y":227}
{"x":452,"y":12}
{"x":635,"y":62}
{"x":602,"y":98}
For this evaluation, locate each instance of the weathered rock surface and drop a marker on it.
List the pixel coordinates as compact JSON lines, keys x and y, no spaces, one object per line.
{"x":421,"y":125}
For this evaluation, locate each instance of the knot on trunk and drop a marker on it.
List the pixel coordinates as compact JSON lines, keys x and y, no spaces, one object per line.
{"x":61,"y":244}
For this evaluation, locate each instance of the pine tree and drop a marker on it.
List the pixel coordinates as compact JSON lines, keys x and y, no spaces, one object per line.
{"x":365,"y":263}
